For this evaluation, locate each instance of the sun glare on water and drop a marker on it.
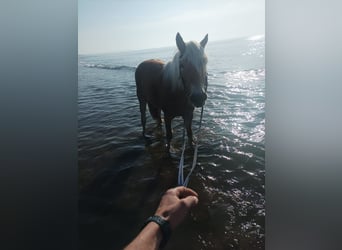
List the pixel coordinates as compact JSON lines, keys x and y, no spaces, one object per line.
{"x":256,"y":37}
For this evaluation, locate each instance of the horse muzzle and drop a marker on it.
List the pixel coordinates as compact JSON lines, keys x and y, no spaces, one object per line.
{"x":198,"y":100}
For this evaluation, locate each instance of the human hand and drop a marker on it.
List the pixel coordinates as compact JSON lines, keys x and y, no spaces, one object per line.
{"x":175,"y":205}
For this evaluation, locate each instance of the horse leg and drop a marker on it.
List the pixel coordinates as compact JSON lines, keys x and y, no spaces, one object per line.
{"x":168,"y":130}
{"x":187,"y":124}
{"x":159,"y":121}
{"x":155,"y":113}
{"x":143,"y":114}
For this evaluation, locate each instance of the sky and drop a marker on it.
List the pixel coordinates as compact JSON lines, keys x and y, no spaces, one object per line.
{"x":106,"y":26}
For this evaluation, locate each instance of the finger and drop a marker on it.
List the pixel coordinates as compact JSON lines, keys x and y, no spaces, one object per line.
{"x":183,"y":192}
{"x":190,"y":201}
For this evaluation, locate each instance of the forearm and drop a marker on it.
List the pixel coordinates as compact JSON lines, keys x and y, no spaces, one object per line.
{"x":172,"y":209}
{"x":148,"y":239}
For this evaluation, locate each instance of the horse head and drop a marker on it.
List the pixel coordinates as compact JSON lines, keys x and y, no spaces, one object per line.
{"x":193,"y":69}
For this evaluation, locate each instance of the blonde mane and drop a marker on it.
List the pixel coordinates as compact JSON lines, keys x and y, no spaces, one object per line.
{"x":194,"y":53}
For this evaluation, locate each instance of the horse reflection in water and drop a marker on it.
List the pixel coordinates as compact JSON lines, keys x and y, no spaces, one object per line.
{"x":175,"y":88}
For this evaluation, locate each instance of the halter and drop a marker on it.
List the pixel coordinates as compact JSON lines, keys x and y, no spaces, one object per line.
{"x":187,"y":91}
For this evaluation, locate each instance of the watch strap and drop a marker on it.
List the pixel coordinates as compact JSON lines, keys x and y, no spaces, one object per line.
{"x":164,"y":226}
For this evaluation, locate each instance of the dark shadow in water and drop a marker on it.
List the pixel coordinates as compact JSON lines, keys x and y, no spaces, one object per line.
{"x":129,"y":182}
{"x":100,"y":212}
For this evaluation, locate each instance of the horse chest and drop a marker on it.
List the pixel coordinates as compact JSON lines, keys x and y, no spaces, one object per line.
{"x":176,"y":105}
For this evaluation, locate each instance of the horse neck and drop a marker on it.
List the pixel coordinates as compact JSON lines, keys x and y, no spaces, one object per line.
{"x":171,"y":75}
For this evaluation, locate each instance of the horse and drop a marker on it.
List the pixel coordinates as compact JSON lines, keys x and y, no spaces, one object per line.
{"x":175,"y":87}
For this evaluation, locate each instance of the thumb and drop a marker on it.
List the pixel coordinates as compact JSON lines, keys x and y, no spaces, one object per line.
{"x":190,"y":201}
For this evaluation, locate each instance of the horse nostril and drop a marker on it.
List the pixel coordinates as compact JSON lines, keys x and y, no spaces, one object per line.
{"x":198,"y":100}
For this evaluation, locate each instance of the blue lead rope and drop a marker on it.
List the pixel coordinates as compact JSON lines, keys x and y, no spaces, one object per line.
{"x":181,"y":163}
{"x":181,"y":181}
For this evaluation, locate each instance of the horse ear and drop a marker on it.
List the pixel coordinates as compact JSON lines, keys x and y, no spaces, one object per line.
{"x":180,"y":43}
{"x":204,"y":41}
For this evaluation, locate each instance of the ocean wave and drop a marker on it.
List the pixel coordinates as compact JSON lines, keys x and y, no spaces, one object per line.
{"x":103,"y":66}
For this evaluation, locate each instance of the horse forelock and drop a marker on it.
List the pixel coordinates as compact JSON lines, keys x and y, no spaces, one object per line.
{"x":194,"y":54}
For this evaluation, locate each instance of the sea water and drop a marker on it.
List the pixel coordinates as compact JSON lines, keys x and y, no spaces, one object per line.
{"x":122,"y":176}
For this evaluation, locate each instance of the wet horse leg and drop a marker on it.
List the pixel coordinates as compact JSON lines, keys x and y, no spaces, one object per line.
{"x":168,"y":130}
{"x":187,"y":124}
{"x":155,"y":113}
{"x":159,"y":120}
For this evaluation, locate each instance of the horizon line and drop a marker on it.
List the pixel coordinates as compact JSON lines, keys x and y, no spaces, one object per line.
{"x":168,"y":46}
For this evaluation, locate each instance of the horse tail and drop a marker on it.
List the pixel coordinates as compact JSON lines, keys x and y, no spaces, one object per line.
{"x":142,"y":101}
{"x":138,"y":83}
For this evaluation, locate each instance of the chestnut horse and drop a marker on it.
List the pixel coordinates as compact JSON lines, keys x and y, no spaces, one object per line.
{"x":176,"y":87}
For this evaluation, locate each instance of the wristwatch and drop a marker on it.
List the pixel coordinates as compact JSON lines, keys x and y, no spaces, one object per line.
{"x":164,"y":226}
